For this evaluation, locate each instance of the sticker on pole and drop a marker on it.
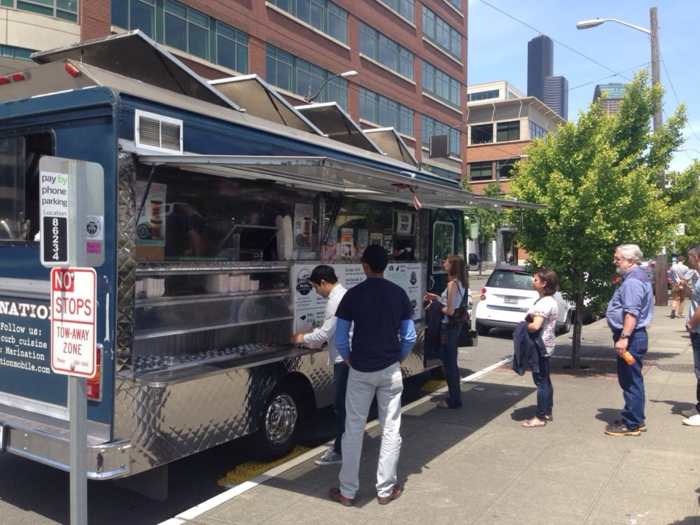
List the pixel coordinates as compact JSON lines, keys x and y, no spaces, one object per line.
{"x":73,"y":321}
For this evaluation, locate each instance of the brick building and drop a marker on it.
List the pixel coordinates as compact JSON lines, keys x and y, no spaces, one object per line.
{"x":411,"y":56}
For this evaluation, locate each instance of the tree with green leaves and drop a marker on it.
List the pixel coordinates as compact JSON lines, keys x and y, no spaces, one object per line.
{"x":489,"y":221}
{"x":600,"y":180}
{"x":684,"y":196}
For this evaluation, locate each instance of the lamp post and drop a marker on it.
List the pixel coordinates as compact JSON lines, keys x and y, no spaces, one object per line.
{"x":309,"y":98}
{"x":654,"y":36}
{"x":653,"y":32}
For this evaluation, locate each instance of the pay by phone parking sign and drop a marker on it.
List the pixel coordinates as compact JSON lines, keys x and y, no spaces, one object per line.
{"x":73,"y":308}
{"x":54,"y":219}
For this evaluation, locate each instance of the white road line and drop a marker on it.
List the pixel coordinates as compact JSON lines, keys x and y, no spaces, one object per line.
{"x":217,"y":500}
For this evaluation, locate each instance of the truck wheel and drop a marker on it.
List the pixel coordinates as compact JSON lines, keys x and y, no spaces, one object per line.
{"x":279,"y":423}
{"x":481,"y":329}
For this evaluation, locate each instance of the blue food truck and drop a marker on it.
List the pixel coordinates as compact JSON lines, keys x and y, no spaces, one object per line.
{"x":210,"y":204}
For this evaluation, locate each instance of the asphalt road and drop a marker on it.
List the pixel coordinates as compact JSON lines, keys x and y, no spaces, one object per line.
{"x":31,"y":493}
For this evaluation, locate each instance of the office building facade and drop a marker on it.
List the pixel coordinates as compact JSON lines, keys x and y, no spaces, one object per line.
{"x":612,"y":96}
{"x":556,"y":95}
{"x":541,"y":82}
{"x":411,"y":56}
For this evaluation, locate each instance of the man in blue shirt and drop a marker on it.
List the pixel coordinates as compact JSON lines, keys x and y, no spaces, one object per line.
{"x":629,"y":312}
{"x":382,"y":338}
{"x":692,"y":325}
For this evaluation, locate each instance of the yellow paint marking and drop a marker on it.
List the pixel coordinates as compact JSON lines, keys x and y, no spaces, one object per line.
{"x":433,"y":385}
{"x":250,"y":469}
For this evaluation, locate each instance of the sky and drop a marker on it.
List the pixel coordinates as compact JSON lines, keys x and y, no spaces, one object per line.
{"x":499,"y":33}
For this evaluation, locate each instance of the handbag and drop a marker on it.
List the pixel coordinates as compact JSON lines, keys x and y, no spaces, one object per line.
{"x":461,"y":314}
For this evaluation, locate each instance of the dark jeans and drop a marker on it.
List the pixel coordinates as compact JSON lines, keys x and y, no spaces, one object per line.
{"x":695,"y":342}
{"x":340,"y":386}
{"x":631,"y":379}
{"x":545,"y":390}
{"x":449,"y":363}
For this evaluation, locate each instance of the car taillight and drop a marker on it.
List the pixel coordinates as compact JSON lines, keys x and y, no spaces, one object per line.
{"x":94,"y":383}
{"x":483,"y":294}
{"x":19,"y":76}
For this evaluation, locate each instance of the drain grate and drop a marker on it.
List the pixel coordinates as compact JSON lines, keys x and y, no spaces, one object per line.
{"x":688,"y":369}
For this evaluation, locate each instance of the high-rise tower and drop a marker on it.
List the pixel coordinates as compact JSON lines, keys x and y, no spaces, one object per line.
{"x":540,"y":63}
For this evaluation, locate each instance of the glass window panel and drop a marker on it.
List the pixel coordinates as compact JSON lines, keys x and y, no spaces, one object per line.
{"x":225,"y":52}
{"x":199,"y":41}
{"x":175,"y":32}
{"x":242,"y":58}
{"x":198,"y":18}
{"x":316,"y":15}
{"x":120,"y":13}
{"x":67,"y":5}
{"x":142,"y":17}
{"x":48,"y":11}
{"x":176,"y":9}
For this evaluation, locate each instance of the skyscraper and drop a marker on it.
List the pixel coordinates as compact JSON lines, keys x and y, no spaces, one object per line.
{"x":556,"y":95}
{"x":541,"y":82}
{"x":614,"y":93}
{"x":540,"y":63}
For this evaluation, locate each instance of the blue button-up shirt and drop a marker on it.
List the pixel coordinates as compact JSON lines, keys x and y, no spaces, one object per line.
{"x":634,"y":296}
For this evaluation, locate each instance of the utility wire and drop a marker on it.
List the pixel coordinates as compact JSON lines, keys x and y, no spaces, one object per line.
{"x":554,"y":40}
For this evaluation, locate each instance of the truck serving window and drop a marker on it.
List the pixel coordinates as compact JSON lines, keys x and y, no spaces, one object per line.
{"x":19,"y":185}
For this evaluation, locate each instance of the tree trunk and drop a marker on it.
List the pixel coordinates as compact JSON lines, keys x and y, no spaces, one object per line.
{"x":576,"y":338}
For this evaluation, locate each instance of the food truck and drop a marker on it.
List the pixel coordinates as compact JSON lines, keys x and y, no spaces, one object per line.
{"x":209,"y":203}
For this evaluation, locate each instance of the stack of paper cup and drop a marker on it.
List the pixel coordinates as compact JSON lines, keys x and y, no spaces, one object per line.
{"x":254,"y":285}
{"x":245,"y":283}
{"x":234,"y":283}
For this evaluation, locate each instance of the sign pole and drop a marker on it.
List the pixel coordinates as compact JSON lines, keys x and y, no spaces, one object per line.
{"x":77,"y":385}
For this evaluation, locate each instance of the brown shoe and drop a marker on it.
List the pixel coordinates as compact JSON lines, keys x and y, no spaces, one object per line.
{"x":337,"y":496}
{"x":396,"y":492}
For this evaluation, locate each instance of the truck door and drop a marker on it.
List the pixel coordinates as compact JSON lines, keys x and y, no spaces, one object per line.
{"x":446,"y":237}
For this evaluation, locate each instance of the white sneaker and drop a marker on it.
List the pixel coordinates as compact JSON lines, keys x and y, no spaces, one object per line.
{"x":693,"y":421}
{"x":690,"y":412}
{"x":330,"y":457}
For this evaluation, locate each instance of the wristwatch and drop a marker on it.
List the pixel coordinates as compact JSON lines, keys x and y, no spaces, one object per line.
{"x":623,"y":335}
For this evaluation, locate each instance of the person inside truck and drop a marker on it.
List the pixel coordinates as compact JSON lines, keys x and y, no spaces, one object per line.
{"x":183,"y":232}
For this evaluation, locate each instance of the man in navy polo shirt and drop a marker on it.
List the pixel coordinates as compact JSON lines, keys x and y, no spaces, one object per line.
{"x":629,"y":312}
{"x":382,"y":338}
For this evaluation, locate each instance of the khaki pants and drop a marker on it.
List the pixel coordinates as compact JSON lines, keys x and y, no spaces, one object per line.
{"x":678,"y":298}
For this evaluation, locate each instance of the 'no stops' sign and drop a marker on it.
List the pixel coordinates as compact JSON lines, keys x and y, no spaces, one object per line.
{"x":73,"y":308}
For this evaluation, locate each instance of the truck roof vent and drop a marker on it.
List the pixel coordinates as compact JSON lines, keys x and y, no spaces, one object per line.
{"x":158,"y":132}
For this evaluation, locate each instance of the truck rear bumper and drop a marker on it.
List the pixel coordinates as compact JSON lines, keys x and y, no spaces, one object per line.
{"x":46,"y":440}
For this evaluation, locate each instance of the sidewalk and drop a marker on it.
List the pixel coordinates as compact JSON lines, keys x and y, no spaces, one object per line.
{"x":477,"y":465}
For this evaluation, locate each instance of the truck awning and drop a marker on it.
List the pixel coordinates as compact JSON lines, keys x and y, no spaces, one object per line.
{"x":325,"y":174}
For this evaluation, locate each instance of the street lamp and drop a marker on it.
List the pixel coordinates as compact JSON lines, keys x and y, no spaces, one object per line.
{"x":653,"y":34}
{"x":347,"y":74}
{"x":661,"y":262}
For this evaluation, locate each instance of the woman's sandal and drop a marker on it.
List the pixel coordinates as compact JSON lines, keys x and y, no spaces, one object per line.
{"x":534,"y":423}
{"x":548,"y":417}
{"x":443,"y":404}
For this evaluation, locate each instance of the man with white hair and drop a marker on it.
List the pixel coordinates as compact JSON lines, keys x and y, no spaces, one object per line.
{"x":629,"y":312}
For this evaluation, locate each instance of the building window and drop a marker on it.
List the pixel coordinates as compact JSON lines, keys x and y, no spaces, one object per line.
{"x":231,"y":48}
{"x":16,"y":52}
{"x":185,"y":29}
{"x":457,"y":4}
{"x":508,"y":131}
{"x":441,"y":85}
{"x":441,"y":171}
{"x":442,"y":34}
{"x":63,"y":9}
{"x":503,"y":168}
{"x":403,"y":7}
{"x":385,"y":112}
{"x":432,"y":127}
{"x":480,"y":171}
{"x":385,"y":51}
{"x":483,"y":95}
{"x":293,"y":74}
{"x":536,"y":132}
{"x":135,"y":14}
{"x":320,"y":14}
{"x":481,"y":134}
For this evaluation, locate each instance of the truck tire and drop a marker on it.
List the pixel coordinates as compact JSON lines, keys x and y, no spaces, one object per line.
{"x":280,"y":423}
{"x":481,"y":329}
